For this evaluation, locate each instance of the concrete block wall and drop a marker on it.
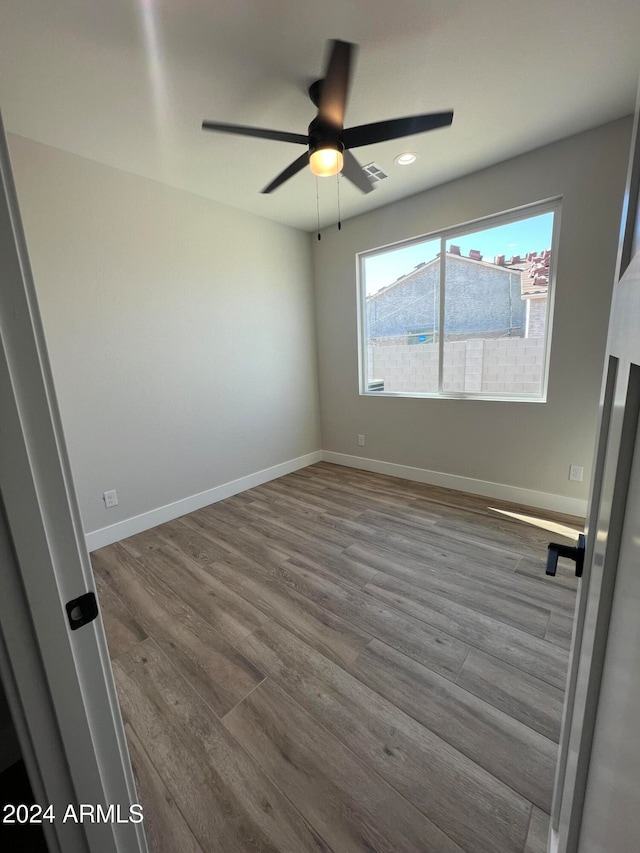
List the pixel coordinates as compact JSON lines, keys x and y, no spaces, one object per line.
{"x":482,"y":366}
{"x":513,"y":365}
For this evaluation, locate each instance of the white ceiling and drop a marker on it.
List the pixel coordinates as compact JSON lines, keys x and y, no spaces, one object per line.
{"x":128,"y":82}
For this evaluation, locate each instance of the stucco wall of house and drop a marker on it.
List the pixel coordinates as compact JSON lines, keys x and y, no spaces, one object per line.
{"x":519,"y":444}
{"x":413,"y":303}
{"x":479,"y":298}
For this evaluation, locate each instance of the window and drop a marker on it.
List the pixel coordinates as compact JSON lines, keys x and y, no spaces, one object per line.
{"x":462,"y":313}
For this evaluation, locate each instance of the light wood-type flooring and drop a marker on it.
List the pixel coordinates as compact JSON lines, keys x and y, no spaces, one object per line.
{"x":340,"y":661}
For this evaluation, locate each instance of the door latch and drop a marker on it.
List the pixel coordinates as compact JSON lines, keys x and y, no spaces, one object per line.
{"x":82,"y":610}
{"x":572,"y":553}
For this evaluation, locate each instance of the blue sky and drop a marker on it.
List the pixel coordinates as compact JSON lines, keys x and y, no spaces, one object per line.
{"x":514,"y":238}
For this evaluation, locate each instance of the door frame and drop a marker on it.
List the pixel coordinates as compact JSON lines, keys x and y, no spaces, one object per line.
{"x":595,"y":596}
{"x":58,"y":681}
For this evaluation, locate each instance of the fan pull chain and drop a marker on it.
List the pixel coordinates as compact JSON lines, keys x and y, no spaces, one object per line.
{"x":318,"y":209}
{"x":339,"y":216}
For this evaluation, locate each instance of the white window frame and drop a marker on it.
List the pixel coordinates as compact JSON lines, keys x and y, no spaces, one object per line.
{"x":552,"y":205}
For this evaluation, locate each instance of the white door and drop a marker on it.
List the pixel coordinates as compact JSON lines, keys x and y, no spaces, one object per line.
{"x":58,"y":680}
{"x":597,"y":798}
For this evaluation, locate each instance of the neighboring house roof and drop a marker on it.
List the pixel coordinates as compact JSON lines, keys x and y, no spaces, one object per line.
{"x":534,"y":273}
{"x":533,"y":268}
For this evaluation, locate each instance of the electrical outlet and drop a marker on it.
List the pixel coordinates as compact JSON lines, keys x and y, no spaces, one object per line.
{"x":576,"y":473}
{"x":361,"y":440}
{"x":110,"y":498}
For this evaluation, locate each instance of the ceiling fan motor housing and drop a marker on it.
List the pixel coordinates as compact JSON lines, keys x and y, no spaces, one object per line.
{"x":322,"y":134}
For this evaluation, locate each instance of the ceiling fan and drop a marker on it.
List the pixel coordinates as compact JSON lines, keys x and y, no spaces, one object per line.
{"x":327,"y":140}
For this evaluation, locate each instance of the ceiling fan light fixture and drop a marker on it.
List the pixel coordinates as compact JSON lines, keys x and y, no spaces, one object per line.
{"x":326,"y":161}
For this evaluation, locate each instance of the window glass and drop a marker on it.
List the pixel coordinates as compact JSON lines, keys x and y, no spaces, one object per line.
{"x":489,"y":290}
{"x":403,"y":318}
{"x":496,"y":294}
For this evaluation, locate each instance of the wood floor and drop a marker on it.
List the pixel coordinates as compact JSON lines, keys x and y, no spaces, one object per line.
{"x":340,"y":661}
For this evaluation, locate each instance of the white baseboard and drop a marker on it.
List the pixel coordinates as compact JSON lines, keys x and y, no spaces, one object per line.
{"x":130,"y":526}
{"x":528,"y":497}
{"x":512,"y":494}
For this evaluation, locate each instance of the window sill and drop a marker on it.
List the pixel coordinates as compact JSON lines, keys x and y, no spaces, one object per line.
{"x":511,"y":398}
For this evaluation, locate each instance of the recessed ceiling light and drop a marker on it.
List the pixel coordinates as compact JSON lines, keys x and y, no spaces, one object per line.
{"x":406,"y":159}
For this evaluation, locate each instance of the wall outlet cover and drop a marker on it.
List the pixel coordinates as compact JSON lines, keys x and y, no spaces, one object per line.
{"x":576,"y":473}
{"x":110,"y":498}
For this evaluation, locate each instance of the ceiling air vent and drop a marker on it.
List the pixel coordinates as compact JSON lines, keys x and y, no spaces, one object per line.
{"x":374,"y":173}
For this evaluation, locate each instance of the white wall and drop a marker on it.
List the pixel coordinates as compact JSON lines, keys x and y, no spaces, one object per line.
{"x":520,"y":445}
{"x":180,"y":331}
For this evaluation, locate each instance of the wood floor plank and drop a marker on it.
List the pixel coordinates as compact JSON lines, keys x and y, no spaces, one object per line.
{"x":518,"y":648}
{"x":275,"y":492}
{"x":227,"y":801}
{"x":535,"y":703}
{"x":289,"y":490}
{"x":120,"y":627}
{"x":560,"y":630}
{"x":501,"y":532}
{"x":428,"y":645}
{"x":139,"y":544}
{"x":212,"y":665}
{"x":477,"y":504}
{"x":516,"y":590}
{"x":341,"y":569}
{"x":230,"y":615}
{"x":296,"y":533}
{"x":402,"y":521}
{"x":177,"y":534}
{"x":436,"y":549}
{"x":164,"y":825}
{"x":191,"y":542}
{"x":491,"y":599}
{"x":475,"y":809}
{"x":488,"y":592}
{"x":479,"y":519}
{"x":337,"y":639}
{"x":518,"y":756}
{"x":538,"y":832}
{"x":344,"y":495}
{"x":414,"y":517}
{"x":280,"y":505}
{"x":374,"y":494}
{"x":287,"y":526}
{"x":351,"y":807}
{"x":230,"y":539}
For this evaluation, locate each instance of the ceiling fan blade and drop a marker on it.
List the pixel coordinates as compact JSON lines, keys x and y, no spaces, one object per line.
{"x":381,"y":131}
{"x":262,"y":133}
{"x":335,"y":85}
{"x":352,"y":170}
{"x":289,"y":172}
